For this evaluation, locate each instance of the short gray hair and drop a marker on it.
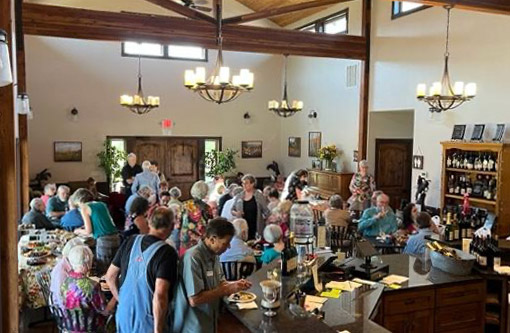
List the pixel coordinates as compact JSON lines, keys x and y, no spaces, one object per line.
{"x":80,"y":257}
{"x":335,"y":201}
{"x":237,"y":191}
{"x":199,"y":190}
{"x":175,"y":192}
{"x":51,"y":186}
{"x":272,"y":233}
{"x":64,"y":188}
{"x":363,"y":163}
{"x":146,"y":165}
{"x":251,"y":178}
{"x":162,"y":218}
{"x":240,"y":225}
{"x":131,"y":155}
{"x":35,"y":202}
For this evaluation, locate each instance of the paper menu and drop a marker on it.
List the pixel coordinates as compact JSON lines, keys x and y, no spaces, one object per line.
{"x":343,"y":285}
{"x":394,"y":279}
{"x":314,"y":302}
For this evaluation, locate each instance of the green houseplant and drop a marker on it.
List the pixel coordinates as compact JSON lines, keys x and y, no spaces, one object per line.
{"x":220,"y":162}
{"x":110,"y":160}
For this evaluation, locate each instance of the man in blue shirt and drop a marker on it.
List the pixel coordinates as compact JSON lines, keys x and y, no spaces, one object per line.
{"x":144,"y":192}
{"x":57,"y":205}
{"x":238,"y":250}
{"x":417,"y":243}
{"x":378,"y":220}
{"x":146,"y":177}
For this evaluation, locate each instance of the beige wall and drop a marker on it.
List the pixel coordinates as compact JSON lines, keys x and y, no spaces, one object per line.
{"x":409,"y":50}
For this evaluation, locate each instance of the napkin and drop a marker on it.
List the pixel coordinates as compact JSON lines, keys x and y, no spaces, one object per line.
{"x":314,"y":302}
{"x":247,"y":306}
{"x":333,"y":293}
{"x":343,"y":285}
{"x":394,"y":279}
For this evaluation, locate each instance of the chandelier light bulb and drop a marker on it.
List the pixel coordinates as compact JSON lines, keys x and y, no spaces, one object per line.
{"x":5,"y":64}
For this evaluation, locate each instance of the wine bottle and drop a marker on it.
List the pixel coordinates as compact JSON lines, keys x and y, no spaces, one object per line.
{"x":485,"y":188}
{"x":482,"y":255}
{"x":469,"y":186}
{"x":462,"y":185}
{"x":478,"y":187}
{"x":478,"y":162}
{"x":485,"y":163}
{"x":456,"y":229}
{"x":457,"y":186}
{"x":497,"y":252}
{"x":451,"y":185}
{"x":448,"y":232}
{"x":470,"y":162}
{"x":289,"y":257}
{"x":449,"y":161}
{"x":465,"y":161}
{"x":455,"y":161}
{"x":491,"y":163}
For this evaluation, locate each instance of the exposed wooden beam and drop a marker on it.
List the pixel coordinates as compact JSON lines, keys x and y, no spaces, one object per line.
{"x":279,"y":11}
{"x":68,"y":22}
{"x":183,"y":10}
{"x":488,"y":6}
{"x":366,"y":27}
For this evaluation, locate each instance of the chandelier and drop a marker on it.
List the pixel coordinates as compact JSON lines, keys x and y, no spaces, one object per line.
{"x":442,"y":95}
{"x":5,"y":64}
{"x":218,"y":88}
{"x":138,"y":103}
{"x":285,"y":109}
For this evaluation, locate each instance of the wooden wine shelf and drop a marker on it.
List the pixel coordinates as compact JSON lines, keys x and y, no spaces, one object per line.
{"x":474,"y":200}
{"x":476,"y":172}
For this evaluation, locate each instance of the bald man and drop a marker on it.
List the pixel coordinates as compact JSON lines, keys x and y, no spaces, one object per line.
{"x":378,"y":219}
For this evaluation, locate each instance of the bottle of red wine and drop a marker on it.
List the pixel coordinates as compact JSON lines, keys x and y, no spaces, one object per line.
{"x":289,"y":257}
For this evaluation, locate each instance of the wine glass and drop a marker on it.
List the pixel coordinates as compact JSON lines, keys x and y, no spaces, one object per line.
{"x":271,"y":295}
{"x":271,"y":291}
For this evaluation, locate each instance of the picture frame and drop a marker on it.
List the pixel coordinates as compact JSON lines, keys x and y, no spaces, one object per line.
{"x":316,"y":164}
{"x":458,"y":132}
{"x":477,"y":134}
{"x":251,"y":149}
{"x":500,"y":132}
{"x":67,"y":151}
{"x":418,"y":162}
{"x":314,"y":143}
{"x":294,"y":146}
{"x":355,"y":155}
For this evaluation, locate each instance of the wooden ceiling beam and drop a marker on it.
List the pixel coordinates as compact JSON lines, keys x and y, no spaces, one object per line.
{"x":45,"y":20}
{"x":268,"y":13}
{"x":183,"y":10}
{"x":487,"y":6}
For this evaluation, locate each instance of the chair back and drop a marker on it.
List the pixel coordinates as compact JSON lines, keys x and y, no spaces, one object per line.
{"x":43,"y":278}
{"x":235,"y":270}
{"x":341,"y":239}
{"x":78,"y":320}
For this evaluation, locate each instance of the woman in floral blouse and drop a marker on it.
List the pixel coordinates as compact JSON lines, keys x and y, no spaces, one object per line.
{"x":196,"y":214}
{"x":362,"y":185}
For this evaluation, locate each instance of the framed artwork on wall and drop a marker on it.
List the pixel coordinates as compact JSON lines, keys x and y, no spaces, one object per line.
{"x":418,"y":162}
{"x":477,"y":132}
{"x":314,"y":143}
{"x":67,"y":151}
{"x":458,"y":132}
{"x":294,"y":146}
{"x":251,"y":149}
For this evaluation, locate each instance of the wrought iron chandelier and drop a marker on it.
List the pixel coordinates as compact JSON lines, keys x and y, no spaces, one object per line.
{"x":442,"y":95}
{"x":218,"y":88}
{"x":138,"y":103}
{"x":285,"y":109}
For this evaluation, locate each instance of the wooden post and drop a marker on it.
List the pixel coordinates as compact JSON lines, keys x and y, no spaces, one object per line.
{"x":365,"y":81}
{"x":8,"y":194}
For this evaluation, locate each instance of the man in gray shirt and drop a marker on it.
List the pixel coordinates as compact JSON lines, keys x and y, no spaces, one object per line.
{"x":36,"y":215}
{"x":201,"y":282}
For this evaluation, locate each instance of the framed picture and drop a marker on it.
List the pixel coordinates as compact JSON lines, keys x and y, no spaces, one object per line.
{"x":314,"y":143}
{"x":418,"y":162}
{"x":458,"y":132}
{"x":355,"y":156}
{"x":294,"y":147}
{"x":477,"y":132}
{"x":67,"y":151}
{"x":500,"y":132}
{"x":316,"y":164}
{"x":251,"y":149}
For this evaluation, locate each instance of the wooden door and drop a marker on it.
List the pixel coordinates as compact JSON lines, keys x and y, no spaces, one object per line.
{"x":150,"y":149}
{"x":181,"y":168}
{"x":393,"y":169}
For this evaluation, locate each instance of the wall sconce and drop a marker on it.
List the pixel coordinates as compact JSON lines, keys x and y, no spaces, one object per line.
{"x":312,"y":114}
{"x":5,"y":63}
{"x":73,"y":114}
{"x":247,"y":118}
{"x":22,"y":104}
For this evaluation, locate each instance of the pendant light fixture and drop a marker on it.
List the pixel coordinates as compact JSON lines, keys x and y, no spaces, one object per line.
{"x":219,"y":88}
{"x":285,"y":109}
{"x":442,"y":95}
{"x":5,"y":64}
{"x":138,"y":103}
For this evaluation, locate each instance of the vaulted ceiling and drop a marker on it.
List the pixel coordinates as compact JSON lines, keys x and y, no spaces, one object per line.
{"x":282,"y":20}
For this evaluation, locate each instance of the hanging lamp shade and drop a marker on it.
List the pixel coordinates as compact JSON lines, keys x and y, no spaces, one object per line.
{"x":5,"y":63}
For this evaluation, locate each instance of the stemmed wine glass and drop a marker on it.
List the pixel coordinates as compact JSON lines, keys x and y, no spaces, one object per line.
{"x":271,"y":291}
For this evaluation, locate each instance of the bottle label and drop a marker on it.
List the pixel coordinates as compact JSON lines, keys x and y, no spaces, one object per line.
{"x":497,"y":261}
{"x":482,"y":260}
{"x":456,"y":234}
{"x":291,"y":264}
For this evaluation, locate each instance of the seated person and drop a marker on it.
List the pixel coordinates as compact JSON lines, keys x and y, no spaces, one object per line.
{"x":274,"y":199}
{"x":373,"y":199}
{"x":280,"y":216}
{"x":72,"y":219}
{"x":36,"y":216}
{"x":61,"y":271}
{"x":273,"y":235}
{"x":91,"y":186}
{"x":417,"y":243}
{"x":49,"y":191}
{"x":78,"y":291}
{"x":136,"y":222}
{"x":238,"y":250}
{"x":57,"y":205}
{"x":410,"y":215}
{"x":378,"y":220}
{"x":335,"y":215}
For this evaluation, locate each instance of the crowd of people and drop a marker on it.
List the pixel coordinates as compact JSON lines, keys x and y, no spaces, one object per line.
{"x":169,"y":252}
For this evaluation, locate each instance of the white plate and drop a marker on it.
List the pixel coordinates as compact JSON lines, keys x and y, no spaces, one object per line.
{"x":250,"y":299}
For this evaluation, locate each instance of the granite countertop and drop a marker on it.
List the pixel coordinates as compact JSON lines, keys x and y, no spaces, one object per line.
{"x":353,"y":310}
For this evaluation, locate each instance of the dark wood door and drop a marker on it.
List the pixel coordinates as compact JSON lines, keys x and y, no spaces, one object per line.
{"x":393,"y":169}
{"x":151,"y":149}
{"x":181,"y":167}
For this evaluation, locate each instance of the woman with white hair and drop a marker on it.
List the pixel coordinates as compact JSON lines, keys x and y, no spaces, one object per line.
{"x":175,"y":194}
{"x":239,"y":250}
{"x":61,"y":270}
{"x":146,"y":177}
{"x":196,"y":214}
{"x":273,"y":235}
{"x":362,"y":185}
{"x":49,"y":191}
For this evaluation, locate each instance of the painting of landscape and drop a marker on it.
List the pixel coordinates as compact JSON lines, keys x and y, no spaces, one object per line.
{"x":67,"y":151}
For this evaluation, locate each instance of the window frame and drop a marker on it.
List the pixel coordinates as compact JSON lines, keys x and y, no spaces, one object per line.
{"x":402,"y":14}
{"x":320,"y":23}
{"x":165,"y":55}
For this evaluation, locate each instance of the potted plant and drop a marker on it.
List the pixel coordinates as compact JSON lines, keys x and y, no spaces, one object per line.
{"x":328,"y":154}
{"x":220,"y":163}
{"x":110,"y":160}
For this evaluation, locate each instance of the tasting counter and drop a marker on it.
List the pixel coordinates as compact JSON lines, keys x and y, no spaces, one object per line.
{"x":430,"y":301}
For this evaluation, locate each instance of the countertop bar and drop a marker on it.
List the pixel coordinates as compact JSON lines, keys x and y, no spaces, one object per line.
{"x":353,"y":310}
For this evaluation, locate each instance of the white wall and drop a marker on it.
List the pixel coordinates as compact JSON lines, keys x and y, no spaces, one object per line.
{"x":320,"y":84}
{"x":409,"y":50}
{"x":89,"y":75}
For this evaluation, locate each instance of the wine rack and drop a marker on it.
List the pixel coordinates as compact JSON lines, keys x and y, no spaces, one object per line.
{"x":484,"y":172}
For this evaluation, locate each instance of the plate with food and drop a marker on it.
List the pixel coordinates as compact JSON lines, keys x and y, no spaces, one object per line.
{"x":37,"y":253}
{"x":35,"y":261}
{"x":34,"y":244}
{"x":242,"y":297}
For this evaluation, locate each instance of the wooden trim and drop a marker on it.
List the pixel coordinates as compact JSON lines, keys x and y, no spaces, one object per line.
{"x":487,"y":6}
{"x":279,"y":11}
{"x":8,"y":193}
{"x":366,"y":20}
{"x":68,"y":22}
{"x":183,"y":10}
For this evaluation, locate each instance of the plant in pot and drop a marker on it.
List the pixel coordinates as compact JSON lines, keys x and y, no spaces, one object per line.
{"x":328,"y":154}
{"x":110,"y":160}
{"x":220,"y":163}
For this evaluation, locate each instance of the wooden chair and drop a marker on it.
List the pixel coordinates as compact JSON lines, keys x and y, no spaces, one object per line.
{"x":43,"y":278}
{"x":342,"y":239}
{"x":235,"y":270}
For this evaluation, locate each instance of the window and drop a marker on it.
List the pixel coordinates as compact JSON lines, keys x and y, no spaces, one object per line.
{"x":210,"y":145}
{"x":403,"y":8}
{"x":335,"y":24}
{"x":120,"y":144}
{"x":152,"y":50}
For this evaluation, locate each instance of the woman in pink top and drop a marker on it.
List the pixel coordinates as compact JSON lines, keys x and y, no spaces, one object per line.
{"x":49,"y":191}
